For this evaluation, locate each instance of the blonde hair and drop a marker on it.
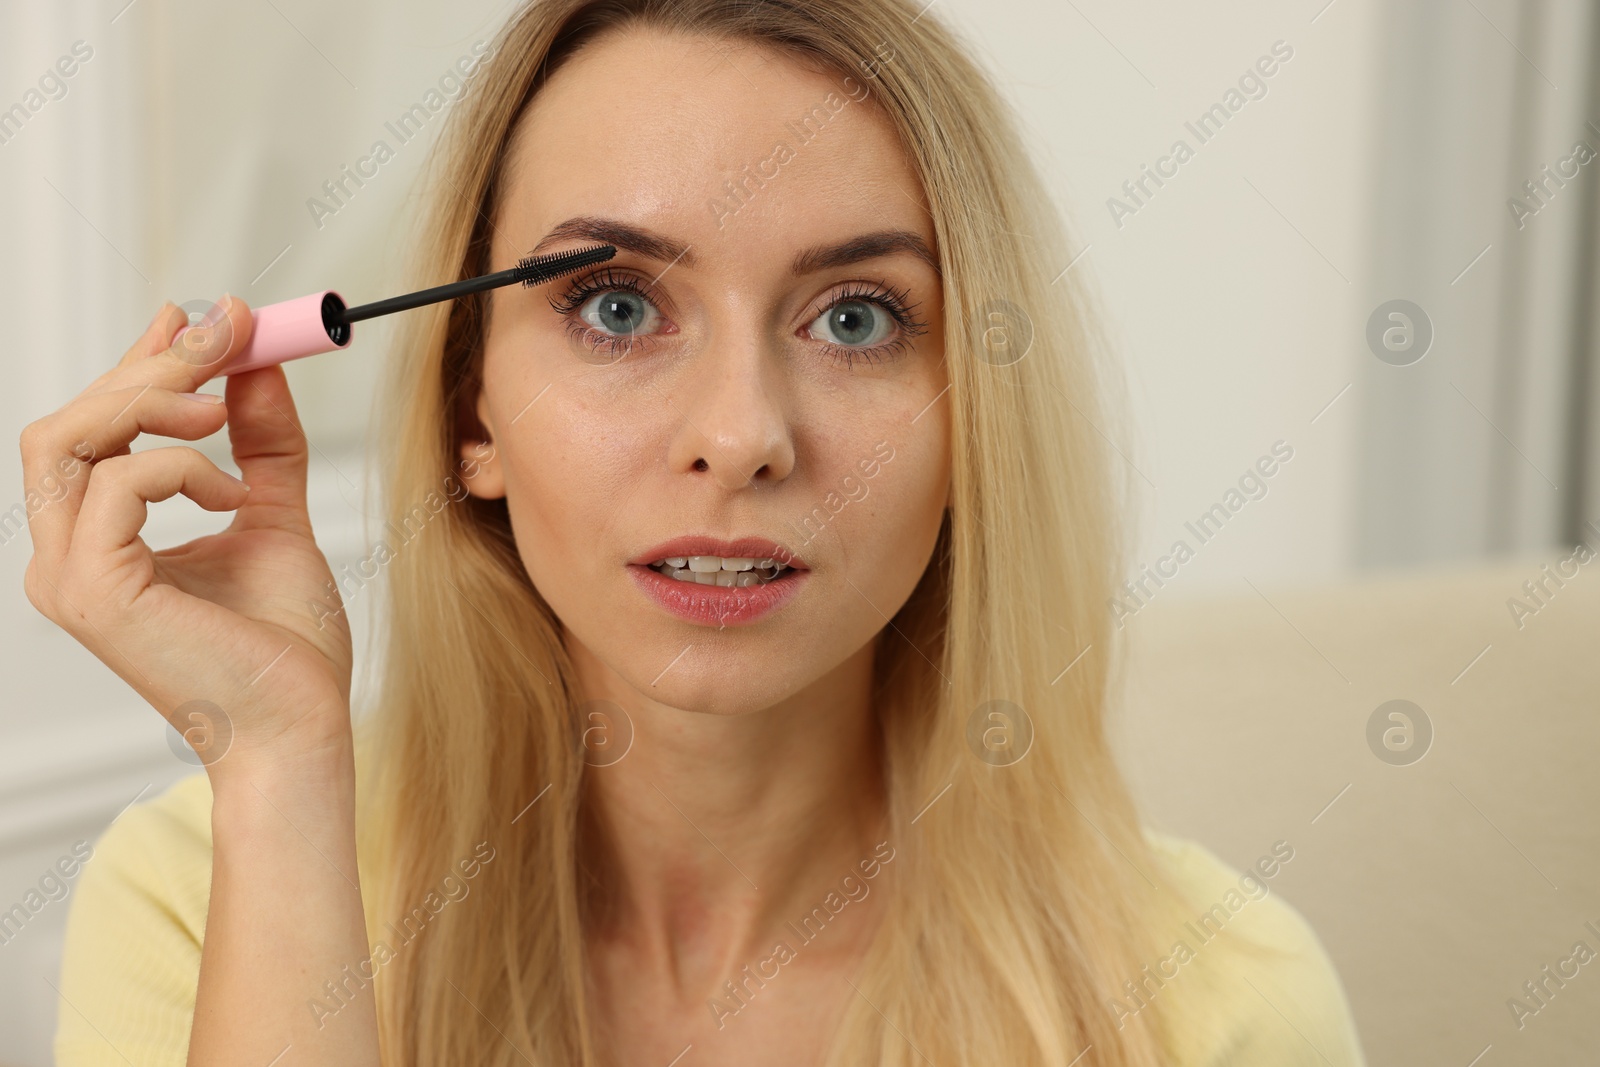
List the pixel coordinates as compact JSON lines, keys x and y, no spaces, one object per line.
{"x":1024,"y":898}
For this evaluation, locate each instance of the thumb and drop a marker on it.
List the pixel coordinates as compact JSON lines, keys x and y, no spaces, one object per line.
{"x":270,"y":448}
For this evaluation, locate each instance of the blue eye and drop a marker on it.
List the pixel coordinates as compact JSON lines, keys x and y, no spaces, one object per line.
{"x":620,"y":311}
{"x":607,"y":311}
{"x":854,"y":322}
{"x":863,"y":317}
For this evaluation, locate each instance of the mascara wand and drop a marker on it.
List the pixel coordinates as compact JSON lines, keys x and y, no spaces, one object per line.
{"x":320,"y":322}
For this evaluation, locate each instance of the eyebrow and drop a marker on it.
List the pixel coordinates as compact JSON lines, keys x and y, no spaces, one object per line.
{"x":658,"y":246}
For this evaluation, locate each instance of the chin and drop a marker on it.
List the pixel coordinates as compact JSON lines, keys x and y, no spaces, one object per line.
{"x":710,"y":688}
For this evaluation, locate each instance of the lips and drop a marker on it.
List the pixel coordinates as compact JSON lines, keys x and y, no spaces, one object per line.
{"x":720,"y":605}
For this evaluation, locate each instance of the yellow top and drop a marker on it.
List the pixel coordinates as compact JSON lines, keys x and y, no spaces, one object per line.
{"x":132,"y":957}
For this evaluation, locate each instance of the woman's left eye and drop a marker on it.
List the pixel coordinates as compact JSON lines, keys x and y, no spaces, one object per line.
{"x":854,"y":323}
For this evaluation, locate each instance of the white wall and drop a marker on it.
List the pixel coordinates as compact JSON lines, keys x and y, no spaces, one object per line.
{"x":1236,"y":328}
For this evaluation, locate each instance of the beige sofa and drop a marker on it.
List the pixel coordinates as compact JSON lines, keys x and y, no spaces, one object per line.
{"x":1438,"y":885}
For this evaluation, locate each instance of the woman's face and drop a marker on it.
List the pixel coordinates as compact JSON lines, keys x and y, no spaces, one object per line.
{"x":757,"y":375}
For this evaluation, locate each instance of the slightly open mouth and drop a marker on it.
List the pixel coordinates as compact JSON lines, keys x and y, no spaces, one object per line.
{"x":730,"y":573}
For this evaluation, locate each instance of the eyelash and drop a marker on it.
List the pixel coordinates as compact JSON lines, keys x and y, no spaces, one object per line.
{"x":897,"y":302}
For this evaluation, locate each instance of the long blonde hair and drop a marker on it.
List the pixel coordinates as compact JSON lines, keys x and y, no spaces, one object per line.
{"x":1024,"y":894}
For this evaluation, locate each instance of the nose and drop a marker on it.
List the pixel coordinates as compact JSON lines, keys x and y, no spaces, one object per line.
{"x":736,"y":425}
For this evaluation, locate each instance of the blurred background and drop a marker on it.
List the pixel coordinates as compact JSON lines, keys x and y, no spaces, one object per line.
{"x":1375,"y":266}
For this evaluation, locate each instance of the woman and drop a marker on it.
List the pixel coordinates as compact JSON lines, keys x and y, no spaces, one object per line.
{"x":723,"y":716}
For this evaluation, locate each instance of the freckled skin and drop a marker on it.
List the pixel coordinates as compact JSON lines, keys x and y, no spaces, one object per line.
{"x":603,"y":464}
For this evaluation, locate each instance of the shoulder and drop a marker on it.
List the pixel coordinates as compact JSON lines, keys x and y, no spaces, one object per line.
{"x":1245,"y":980}
{"x":131,"y":960}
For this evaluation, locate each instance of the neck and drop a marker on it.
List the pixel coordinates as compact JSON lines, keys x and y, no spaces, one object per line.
{"x":715,"y":832}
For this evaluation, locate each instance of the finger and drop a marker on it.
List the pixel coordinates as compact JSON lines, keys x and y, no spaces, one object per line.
{"x":58,"y":449}
{"x":270,"y":448}
{"x":158,"y":335}
{"x":115,"y":505}
{"x":224,"y":330}
{"x":191,"y":357}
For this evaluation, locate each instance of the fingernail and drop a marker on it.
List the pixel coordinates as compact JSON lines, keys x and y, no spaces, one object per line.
{"x":216,"y":312}
{"x":204,"y":398}
{"x":236,"y":481}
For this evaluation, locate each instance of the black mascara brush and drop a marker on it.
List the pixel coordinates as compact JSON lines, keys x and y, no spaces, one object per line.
{"x":320,"y":322}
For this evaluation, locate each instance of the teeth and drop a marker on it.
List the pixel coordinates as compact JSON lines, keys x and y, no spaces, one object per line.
{"x":713,"y":564}
{"x":725,"y":572}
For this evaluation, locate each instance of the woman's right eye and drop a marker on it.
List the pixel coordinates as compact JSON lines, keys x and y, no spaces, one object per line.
{"x":620,"y":313}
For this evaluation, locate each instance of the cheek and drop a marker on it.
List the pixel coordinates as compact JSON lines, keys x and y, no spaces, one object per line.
{"x":570,"y":467}
{"x":887,"y":523}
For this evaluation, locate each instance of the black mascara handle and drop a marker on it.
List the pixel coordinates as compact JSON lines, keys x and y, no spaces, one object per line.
{"x":530,"y":271}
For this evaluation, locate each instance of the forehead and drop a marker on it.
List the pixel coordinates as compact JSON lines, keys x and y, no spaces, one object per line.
{"x":735,"y":148}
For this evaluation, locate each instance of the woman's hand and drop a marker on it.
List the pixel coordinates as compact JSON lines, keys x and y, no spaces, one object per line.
{"x":222,"y":637}
{"x":226,"y":620}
